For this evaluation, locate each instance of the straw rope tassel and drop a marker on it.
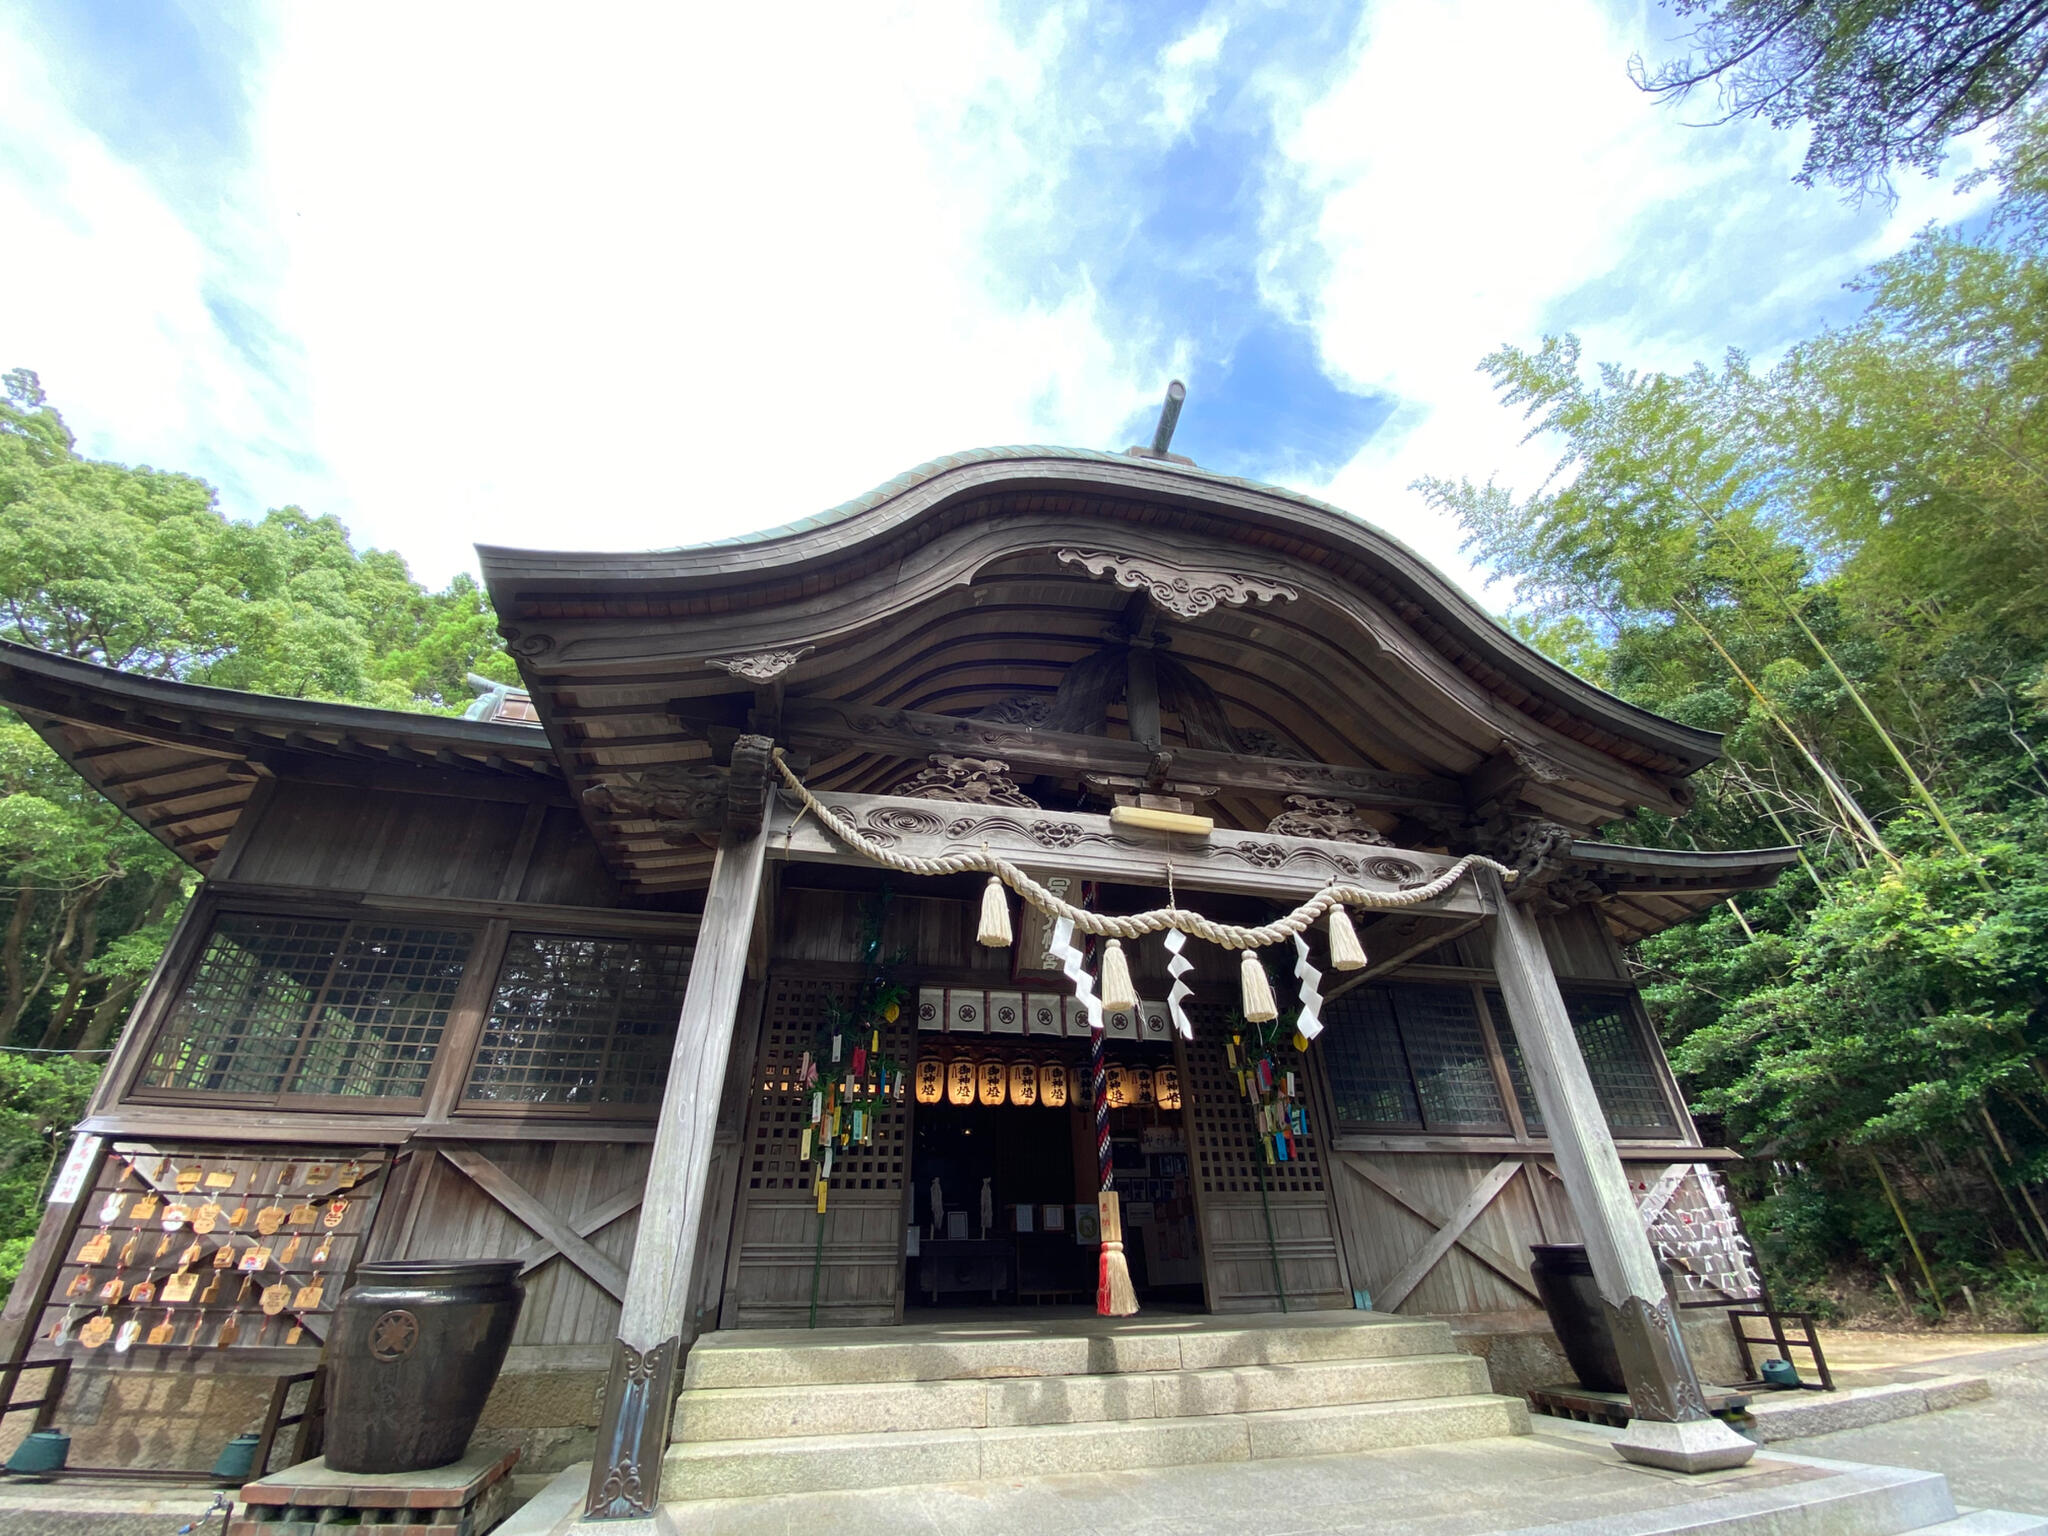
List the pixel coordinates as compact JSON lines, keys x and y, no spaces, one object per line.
{"x":1346,"y":953}
{"x":1118,"y":995}
{"x":1259,"y":1006}
{"x":995,"y":915}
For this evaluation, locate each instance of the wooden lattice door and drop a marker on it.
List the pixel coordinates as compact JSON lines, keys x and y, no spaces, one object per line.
{"x":1269,"y":1230}
{"x":777,"y":1256}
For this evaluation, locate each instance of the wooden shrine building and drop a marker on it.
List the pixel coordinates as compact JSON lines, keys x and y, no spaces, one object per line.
{"x":432,"y":980}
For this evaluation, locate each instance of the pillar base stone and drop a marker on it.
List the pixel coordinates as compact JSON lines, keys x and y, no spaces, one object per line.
{"x":1695,"y":1445}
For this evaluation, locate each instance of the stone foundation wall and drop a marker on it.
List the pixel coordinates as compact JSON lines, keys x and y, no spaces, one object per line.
{"x":1522,"y":1354}
{"x":180,"y":1420}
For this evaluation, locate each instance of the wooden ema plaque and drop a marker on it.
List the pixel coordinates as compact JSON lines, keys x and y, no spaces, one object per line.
{"x":185,"y":1247}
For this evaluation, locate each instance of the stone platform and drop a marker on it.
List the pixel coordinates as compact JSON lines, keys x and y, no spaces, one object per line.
{"x":469,"y":1497}
{"x":767,"y":1412}
{"x":1560,"y":1480}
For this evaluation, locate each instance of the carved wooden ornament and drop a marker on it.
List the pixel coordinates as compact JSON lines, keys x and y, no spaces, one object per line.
{"x":1187,"y":592}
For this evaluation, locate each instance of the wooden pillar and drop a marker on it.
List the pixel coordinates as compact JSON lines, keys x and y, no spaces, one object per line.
{"x":1670,"y":1426}
{"x":625,"y":1474}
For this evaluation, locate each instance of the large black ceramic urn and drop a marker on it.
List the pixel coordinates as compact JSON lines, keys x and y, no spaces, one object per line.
{"x":415,"y":1347}
{"x":1578,"y":1315}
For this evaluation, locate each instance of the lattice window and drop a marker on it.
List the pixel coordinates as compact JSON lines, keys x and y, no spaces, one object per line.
{"x":1518,"y":1072}
{"x":1408,"y":1057}
{"x":283,"y":1006}
{"x":1618,"y":1060}
{"x":781,"y":1110}
{"x":580,"y":1021}
{"x":1447,"y":1050}
{"x":1227,"y":1148}
{"x":1368,"y":1069}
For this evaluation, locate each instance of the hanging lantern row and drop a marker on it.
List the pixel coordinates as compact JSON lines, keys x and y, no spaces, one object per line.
{"x":963,"y":1081}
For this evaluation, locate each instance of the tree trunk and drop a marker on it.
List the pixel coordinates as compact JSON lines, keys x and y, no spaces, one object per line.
{"x":113,"y":1008}
{"x":10,"y":954}
{"x":76,"y":967}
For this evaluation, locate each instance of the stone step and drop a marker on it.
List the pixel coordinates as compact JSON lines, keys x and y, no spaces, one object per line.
{"x":753,"y":1413}
{"x":720,"y":1469}
{"x":1987,"y":1522}
{"x":797,"y":1357}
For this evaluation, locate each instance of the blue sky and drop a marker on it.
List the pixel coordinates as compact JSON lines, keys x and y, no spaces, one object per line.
{"x":623,"y":277}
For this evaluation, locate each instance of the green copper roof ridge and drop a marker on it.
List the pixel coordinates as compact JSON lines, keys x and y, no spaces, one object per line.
{"x":932,"y":468}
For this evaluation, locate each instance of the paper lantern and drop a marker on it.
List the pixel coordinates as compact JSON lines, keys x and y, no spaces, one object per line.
{"x":1023,"y":1083}
{"x":931,"y":1080}
{"x":994,"y":1079}
{"x":960,"y":1081}
{"x":1141,"y":1084}
{"x":1117,"y":1084}
{"x":1052,"y":1085}
{"x":1166,"y":1088}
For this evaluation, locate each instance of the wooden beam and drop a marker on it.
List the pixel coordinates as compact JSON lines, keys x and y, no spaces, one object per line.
{"x":1252,"y":863}
{"x":135,"y":803}
{"x":655,"y":1320}
{"x":825,"y":724}
{"x":1671,"y":1426}
{"x":1451,"y":1231}
{"x":535,"y":1213}
{"x":583,"y":1224}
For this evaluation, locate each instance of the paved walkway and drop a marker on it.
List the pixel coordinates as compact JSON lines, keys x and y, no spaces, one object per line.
{"x":1994,"y":1453}
{"x":1865,"y":1359}
{"x":1561,"y":1481}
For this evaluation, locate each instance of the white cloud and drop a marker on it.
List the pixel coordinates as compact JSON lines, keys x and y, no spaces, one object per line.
{"x":106,"y":290}
{"x":1481,"y":162}
{"x":645,"y":277}
{"x":612,"y":280}
{"x":659,"y":278}
{"x":1187,"y":75}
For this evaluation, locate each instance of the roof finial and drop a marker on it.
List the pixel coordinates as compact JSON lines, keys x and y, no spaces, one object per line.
{"x":1162,"y":435}
{"x":1169,"y":417}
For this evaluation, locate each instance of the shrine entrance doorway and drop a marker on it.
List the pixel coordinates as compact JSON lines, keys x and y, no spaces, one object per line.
{"x":1003,"y":1194}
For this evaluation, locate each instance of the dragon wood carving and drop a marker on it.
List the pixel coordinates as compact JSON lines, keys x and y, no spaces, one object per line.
{"x":1335,"y":821}
{"x":692,"y":802}
{"x":968,"y":780}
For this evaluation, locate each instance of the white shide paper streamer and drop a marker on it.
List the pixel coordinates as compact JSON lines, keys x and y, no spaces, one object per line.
{"x":1310,"y":1024}
{"x":1178,"y":967}
{"x":1062,"y":944}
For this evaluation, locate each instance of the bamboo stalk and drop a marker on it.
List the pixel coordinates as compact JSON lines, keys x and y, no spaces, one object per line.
{"x":1912,"y":1240}
{"x":1891,"y":745}
{"x":2004,"y":1194}
{"x":1842,"y":797}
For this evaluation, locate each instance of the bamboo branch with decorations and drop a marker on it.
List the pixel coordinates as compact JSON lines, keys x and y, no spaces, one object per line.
{"x":1271,"y":1082}
{"x":851,"y":1080}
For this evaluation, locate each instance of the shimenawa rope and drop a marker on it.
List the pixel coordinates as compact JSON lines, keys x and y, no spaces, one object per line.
{"x":1137,"y":924}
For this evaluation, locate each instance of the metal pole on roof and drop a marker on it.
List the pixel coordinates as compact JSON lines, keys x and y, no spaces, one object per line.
{"x":1169,"y":416}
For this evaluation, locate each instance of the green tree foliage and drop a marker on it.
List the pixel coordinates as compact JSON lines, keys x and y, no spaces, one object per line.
{"x":1881,"y":83}
{"x":1839,"y":561}
{"x":40,"y":1100}
{"x":137,"y":568}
